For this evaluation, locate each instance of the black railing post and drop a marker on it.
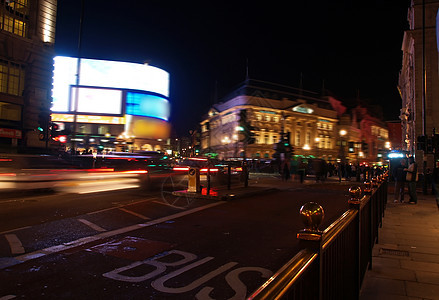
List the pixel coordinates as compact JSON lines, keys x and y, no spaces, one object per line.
{"x":356,"y":196}
{"x":310,"y":237}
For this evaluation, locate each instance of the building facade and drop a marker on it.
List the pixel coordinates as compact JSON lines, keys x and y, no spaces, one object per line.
{"x":309,"y":120}
{"x":27,"y":36}
{"x":316,"y":126}
{"x":418,"y":79}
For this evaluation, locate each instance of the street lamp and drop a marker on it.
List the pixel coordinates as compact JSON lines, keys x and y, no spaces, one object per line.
{"x":342,"y":133}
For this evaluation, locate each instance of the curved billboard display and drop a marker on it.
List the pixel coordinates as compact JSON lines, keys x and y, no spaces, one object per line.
{"x":103,"y":74}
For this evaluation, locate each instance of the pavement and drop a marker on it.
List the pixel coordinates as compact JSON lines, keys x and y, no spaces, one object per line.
{"x":405,"y":262}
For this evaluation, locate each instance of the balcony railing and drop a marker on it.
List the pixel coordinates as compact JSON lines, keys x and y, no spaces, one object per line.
{"x":333,"y":262}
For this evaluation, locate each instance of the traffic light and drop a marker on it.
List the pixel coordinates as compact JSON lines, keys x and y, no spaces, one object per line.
{"x":43,"y":126}
{"x":54,"y":130}
{"x":245,"y":128}
{"x":351,"y":147}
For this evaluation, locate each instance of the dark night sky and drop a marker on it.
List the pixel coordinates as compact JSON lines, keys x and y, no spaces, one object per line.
{"x":352,"y":47}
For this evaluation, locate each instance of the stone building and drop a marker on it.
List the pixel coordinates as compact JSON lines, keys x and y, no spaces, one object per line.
{"x":308,"y":119}
{"x":419,"y":114}
{"x":27,"y":36}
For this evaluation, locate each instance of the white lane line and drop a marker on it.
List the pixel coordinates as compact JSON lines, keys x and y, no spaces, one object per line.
{"x":102,"y":210}
{"x":110,"y":189}
{"x":16,"y":229}
{"x":103,"y":235}
{"x":14,"y":244}
{"x":92,"y":225}
{"x":134,"y":213}
{"x":170,"y":205}
{"x":120,"y":205}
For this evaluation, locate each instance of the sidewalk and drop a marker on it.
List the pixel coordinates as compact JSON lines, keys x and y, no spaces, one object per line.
{"x":405,"y":263}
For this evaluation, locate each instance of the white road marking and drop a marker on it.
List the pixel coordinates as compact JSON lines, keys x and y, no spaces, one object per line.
{"x":103,"y":235}
{"x":14,"y":244}
{"x":92,"y":225}
{"x":16,"y":229}
{"x":170,"y":205}
{"x":120,"y":205}
{"x":8,"y":297}
{"x":134,"y":213}
{"x":110,"y":189}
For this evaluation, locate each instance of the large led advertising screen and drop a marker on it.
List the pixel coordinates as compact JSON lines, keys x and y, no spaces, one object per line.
{"x":104,"y":73}
{"x":139,"y":104}
{"x":96,"y":100}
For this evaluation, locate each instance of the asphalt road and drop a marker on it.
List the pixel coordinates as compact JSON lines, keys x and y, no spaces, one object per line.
{"x":129,"y":245}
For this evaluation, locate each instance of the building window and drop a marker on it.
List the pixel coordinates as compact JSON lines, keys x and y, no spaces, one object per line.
{"x":10,"y":112}
{"x":297,"y":143}
{"x":11,"y":78}
{"x":103,"y":129}
{"x":85,"y":128}
{"x":258,"y":117}
{"x":267,"y":140}
{"x":14,"y":17}
{"x":274,"y":139}
{"x":308,"y":138}
{"x":276,"y":119}
{"x":267,"y":118}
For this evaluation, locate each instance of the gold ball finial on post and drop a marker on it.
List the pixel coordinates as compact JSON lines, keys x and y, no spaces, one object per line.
{"x":355,"y":194}
{"x":312,"y":215}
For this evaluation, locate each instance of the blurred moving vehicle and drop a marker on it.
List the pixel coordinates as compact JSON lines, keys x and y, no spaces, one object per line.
{"x":146,"y":169}
{"x":37,"y":172}
{"x":25,"y":172}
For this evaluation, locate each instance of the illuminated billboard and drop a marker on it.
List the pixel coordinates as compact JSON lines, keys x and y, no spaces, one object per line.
{"x":96,"y":100}
{"x":105,"y":74}
{"x":139,"y":104}
{"x":88,"y":119}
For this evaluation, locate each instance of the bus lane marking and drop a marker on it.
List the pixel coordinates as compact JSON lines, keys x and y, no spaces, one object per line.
{"x":14,"y":244}
{"x":187,"y":262}
{"x":89,"y":239}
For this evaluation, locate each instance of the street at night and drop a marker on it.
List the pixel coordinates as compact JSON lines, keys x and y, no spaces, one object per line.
{"x":135,"y":246}
{"x":219,"y":150}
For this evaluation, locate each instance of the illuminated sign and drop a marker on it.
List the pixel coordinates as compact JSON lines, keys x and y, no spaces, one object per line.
{"x":139,"y":104}
{"x":88,"y":119}
{"x":104,"y":73}
{"x":10,"y":133}
{"x":96,"y":100}
{"x":267,"y":112}
{"x":395,"y":155}
{"x":302,"y":109}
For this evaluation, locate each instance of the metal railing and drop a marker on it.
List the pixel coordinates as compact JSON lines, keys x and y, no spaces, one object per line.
{"x":333,"y":262}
